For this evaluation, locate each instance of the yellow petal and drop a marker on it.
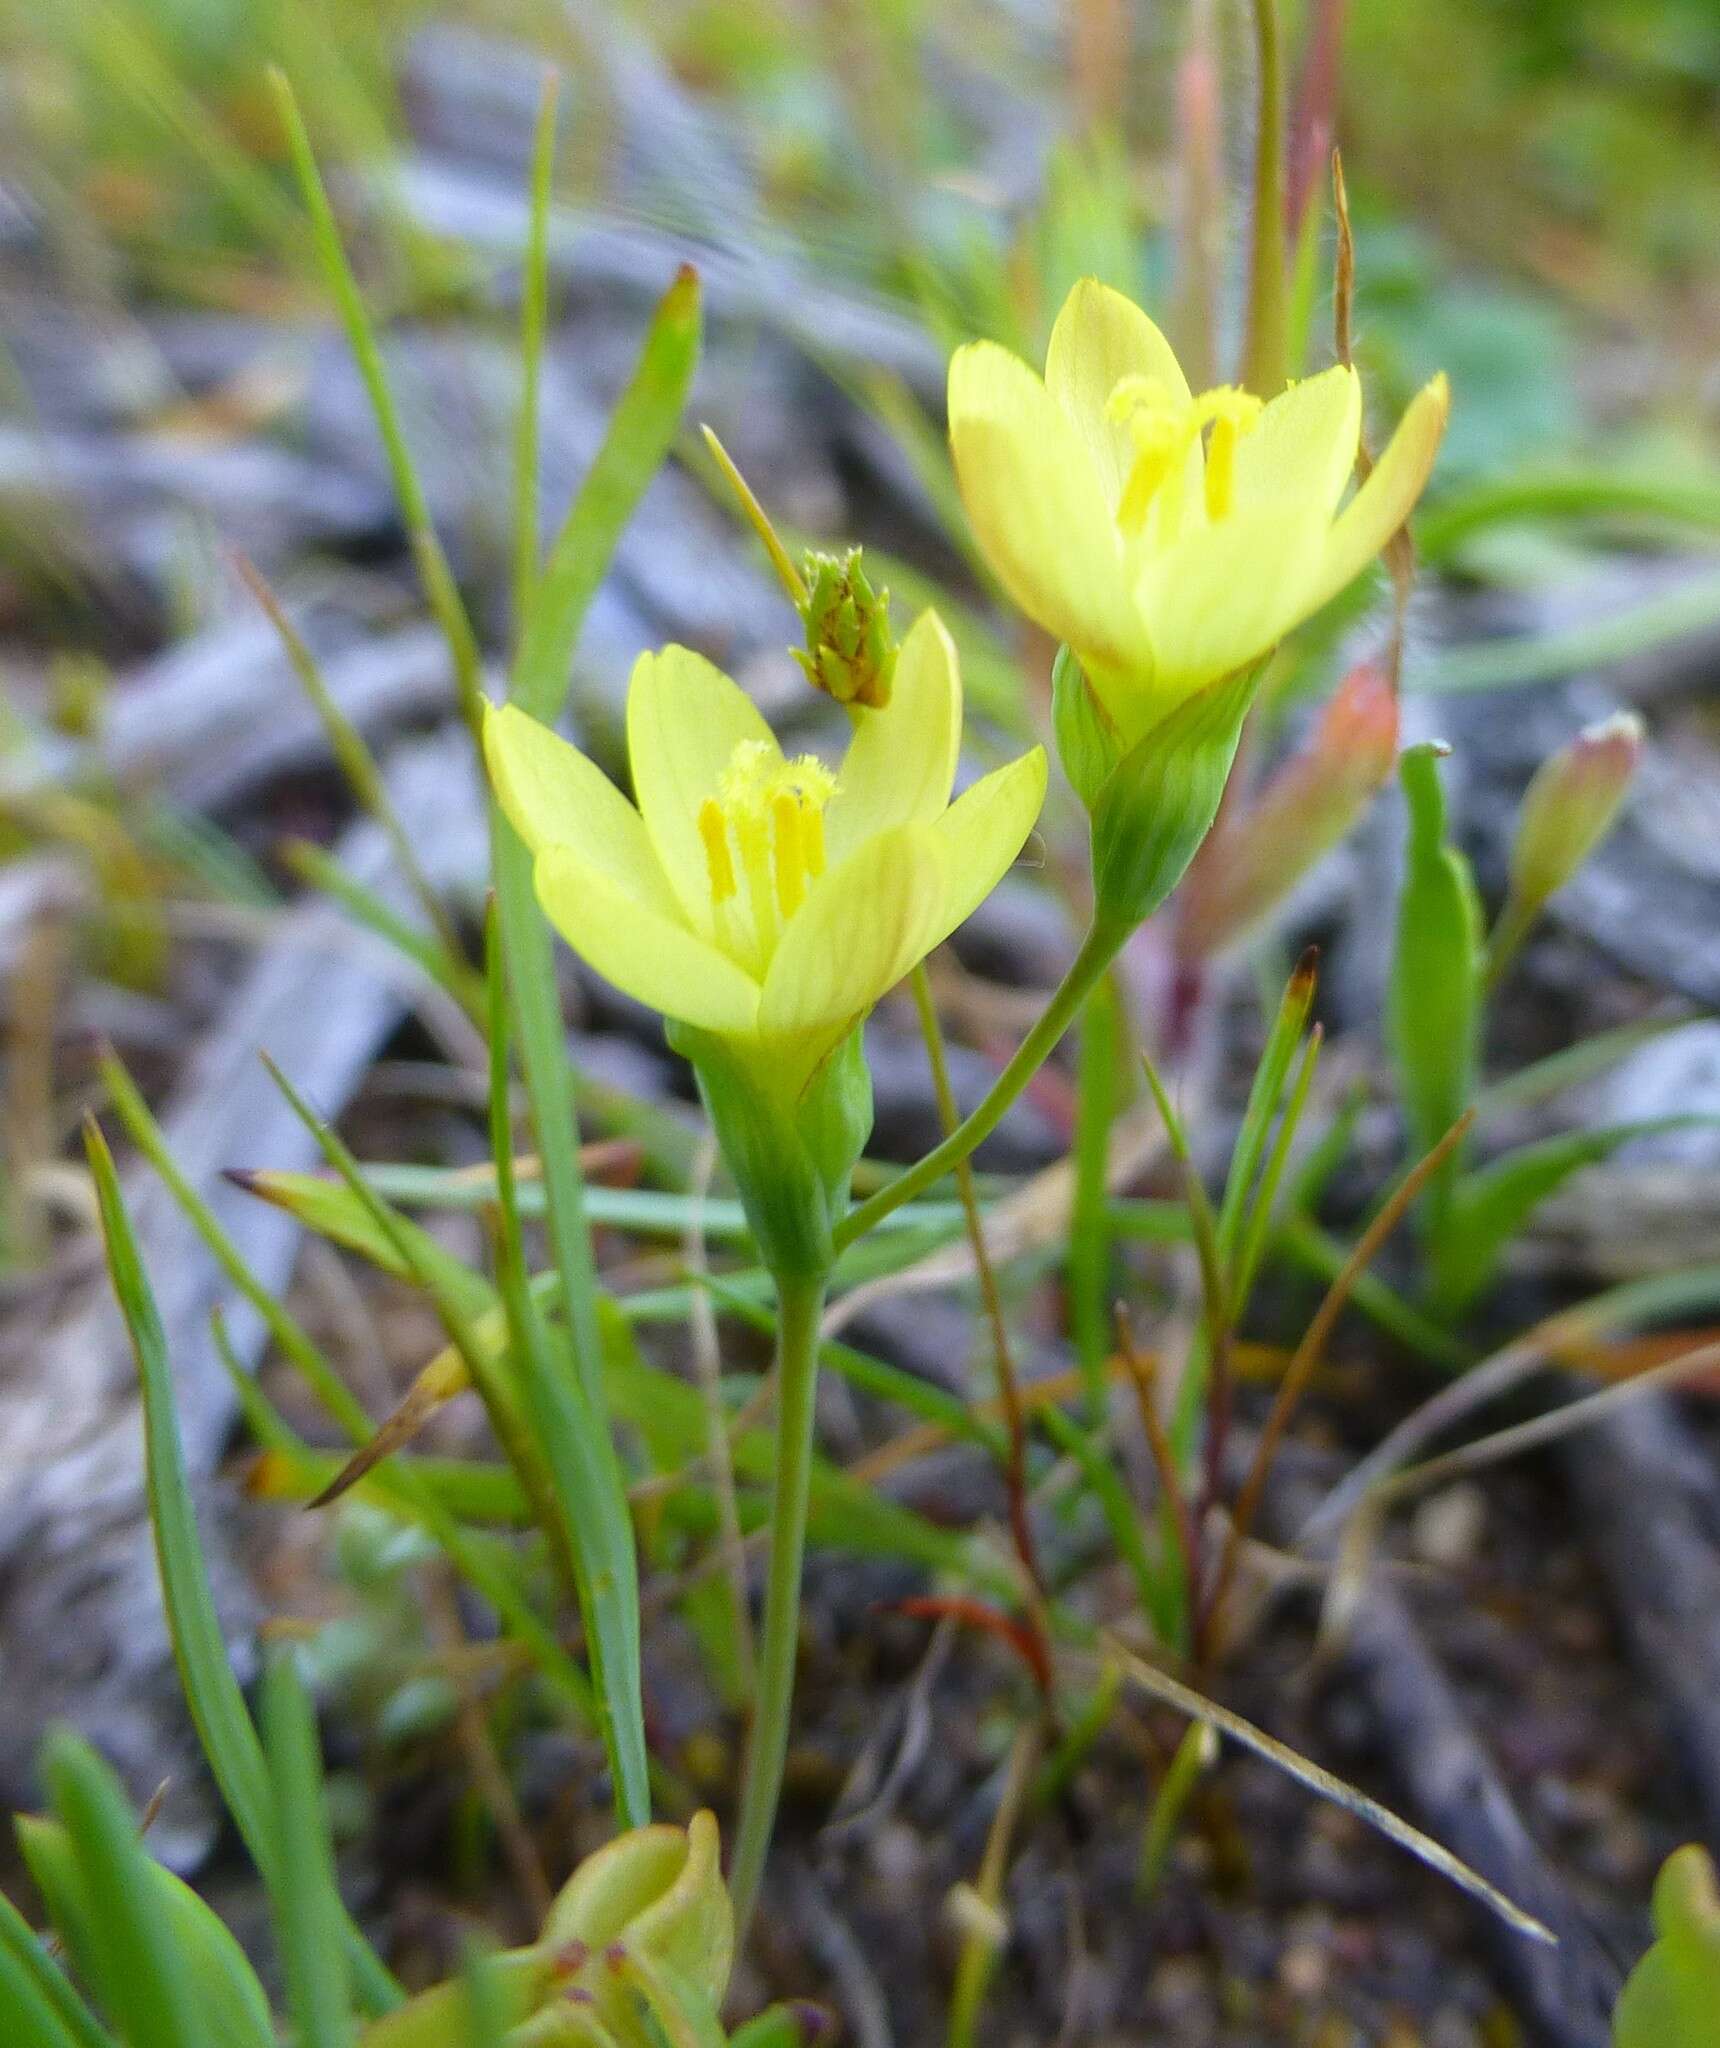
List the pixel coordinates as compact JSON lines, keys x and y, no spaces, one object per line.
{"x":1038,"y":506}
{"x":1099,"y":339}
{"x":685,"y":719}
{"x":902,"y":760}
{"x":1225,"y":594}
{"x":650,"y":956}
{"x":1385,"y":501}
{"x":983,"y":831}
{"x":1304,"y":444}
{"x":861,"y":928}
{"x":554,"y":796}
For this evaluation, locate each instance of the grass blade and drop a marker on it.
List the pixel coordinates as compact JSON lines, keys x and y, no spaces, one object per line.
{"x":308,"y":1909}
{"x":584,"y":1471}
{"x":640,"y":433}
{"x":218,"y":1710}
{"x":427,"y":551}
{"x":142,"y":1976}
{"x":37,"y":1997}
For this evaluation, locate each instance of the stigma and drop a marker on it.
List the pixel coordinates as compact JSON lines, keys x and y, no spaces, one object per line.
{"x":1163,"y":428}
{"x":763,"y":836}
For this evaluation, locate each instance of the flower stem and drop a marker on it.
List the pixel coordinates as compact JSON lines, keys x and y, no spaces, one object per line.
{"x":1098,"y":950}
{"x":800,"y":1303}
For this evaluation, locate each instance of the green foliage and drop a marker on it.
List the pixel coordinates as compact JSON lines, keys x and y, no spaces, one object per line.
{"x":1674,"y":1992}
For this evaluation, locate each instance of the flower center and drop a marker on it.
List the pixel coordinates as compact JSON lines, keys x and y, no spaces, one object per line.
{"x":1163,"y":428}
{"x":763,"y":835}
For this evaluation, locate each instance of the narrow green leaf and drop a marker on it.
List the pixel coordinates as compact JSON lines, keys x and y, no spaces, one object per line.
{"x":1490,"y":1206}
{"x":200,"y":1648}
{"x":37,"y":1995}
{"x":1434,"y":999}
{"x":131,"y":1953}
{"x":585,"y":1474}
{"x":212,"y":1694}
{"x":1264,"y":1095}
{"x":640,"y":433}
{"x":438,"y":578}
{"x":307,"y":1903}
{"x":223,"y":1981}
{"x":317,"y":867}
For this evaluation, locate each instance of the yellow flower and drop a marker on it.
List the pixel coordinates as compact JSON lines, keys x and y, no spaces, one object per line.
{"x":766,"y":900}
{"x":1170,"y":538}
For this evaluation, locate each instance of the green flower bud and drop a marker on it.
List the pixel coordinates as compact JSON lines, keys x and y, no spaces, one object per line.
{"x":849,"y":652}
{"x":1568,"y":809}
{"x":1570,"y":805}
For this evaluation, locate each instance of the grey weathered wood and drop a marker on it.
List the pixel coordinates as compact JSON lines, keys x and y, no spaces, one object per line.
{"x":217,"y":714}
{"x":1651,"y":1510}
{"x":81,"y":1629}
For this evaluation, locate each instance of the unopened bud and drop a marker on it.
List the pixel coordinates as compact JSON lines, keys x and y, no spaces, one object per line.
{"x":1254,"y":859}
{"x":1570,"y":806}
{"x":849,"y":652}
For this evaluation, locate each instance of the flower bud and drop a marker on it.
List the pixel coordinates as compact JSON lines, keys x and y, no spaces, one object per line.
{"x":1567,"y":811}
{"x":1253,"y":861}
{"x":1570,"y":806}
{"x":849,"y":652}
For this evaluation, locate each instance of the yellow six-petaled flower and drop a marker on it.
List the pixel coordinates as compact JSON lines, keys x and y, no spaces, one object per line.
{"x":768,"y":900}
{"x":1169,"y":537}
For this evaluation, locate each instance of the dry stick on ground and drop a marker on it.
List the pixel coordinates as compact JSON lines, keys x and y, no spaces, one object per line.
{"x":1310,"y":1351}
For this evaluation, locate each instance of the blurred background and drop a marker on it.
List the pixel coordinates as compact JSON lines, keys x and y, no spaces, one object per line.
{"x":861,"y":185}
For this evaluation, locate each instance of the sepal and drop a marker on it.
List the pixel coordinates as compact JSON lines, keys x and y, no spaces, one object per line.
{"x":790,"y":1140}
{"x":1158,"y":803}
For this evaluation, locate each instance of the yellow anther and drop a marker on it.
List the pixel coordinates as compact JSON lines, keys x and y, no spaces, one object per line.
{"x":785,"y":811}
{"x":812,"y":838}
{"x":714,"y":831}
{"x":770,"y":812}
{"x":1233,"y":414}
{"x":1163,"y":428}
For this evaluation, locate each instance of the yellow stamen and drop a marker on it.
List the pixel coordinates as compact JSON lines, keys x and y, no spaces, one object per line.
{"x":714,"y":831}
{"x":752,"y":833}
{"x":771,"y":812}
{"x":785,"y":811}
{"x":1163,"y":428}
{"x":1233,"y":414}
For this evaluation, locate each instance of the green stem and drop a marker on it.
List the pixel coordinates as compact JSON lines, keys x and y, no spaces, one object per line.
{"x":1263,"y":370}
{"x":1100,"y":947}
{"x":800,"y":1304}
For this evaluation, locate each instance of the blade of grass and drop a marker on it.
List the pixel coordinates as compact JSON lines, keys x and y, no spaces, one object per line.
{"x":640,"y":434}
{"x":217,"y":1706}
{"x":427,"y":550}
{"x":144,"y":1982}
{"x":534,"y":317}
{"x":308,"y":1909}
{"x":486,"y":1571}
{"x":1312,"y":1347}
{"x":318,"y":869}
{"x":354,"y":759}
{"x":579,"y":1451}
{"x":38,"y":1997}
